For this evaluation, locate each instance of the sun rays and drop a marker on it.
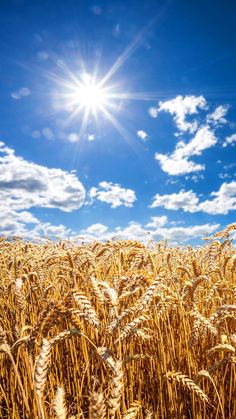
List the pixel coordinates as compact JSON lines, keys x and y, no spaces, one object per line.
{"x":88,"y":98}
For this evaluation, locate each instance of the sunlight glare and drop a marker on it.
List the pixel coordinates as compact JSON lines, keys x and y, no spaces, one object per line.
{"x":90,"y":95}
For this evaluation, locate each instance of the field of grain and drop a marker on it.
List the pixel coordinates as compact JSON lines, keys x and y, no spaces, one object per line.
{"x":118,"y":330}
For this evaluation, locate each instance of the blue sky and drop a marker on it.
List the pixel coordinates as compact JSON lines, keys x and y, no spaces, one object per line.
{"x":151,"y":153}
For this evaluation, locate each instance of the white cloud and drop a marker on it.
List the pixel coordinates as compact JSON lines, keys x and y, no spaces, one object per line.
{"x":204,"y":138}
{"x":195,"y":178}
{"x":157,"y":221}
{"x":49,"y":230}
{"x":218,"y":116}
{"x":187,"y":201}
{"x":184,"y":234}
{"x":142,"y":134}
{"x":113,"y":194}
{"x":180,"y":107}
{"x":153,"y":112}
{"x":178,"y":162}
{"x":174,"y":166}
{"x":135,"y":231}
{"x":25,"y":225}
{"x":223,"y":201}
{"x":10,"y":220}
{"x":25,"y":185}
{"x":97,"y":230}
{"x":22,"y":92}
{"x":230,"y":140}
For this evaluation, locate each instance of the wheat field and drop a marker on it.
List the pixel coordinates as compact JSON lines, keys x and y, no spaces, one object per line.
{"x":118,"y":330}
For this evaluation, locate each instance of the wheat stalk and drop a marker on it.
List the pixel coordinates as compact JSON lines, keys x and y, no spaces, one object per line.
{"x":116,"y":389}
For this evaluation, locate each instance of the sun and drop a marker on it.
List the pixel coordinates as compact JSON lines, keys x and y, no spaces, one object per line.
{"x":88,"y":94}
{"x":88,"y":99}
{"x":91,"y":100}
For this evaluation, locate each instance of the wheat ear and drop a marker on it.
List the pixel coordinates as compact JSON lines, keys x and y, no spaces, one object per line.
{"x":133,"y":411}
{"x":59,"y":405}
{"x":41,"y":370}
{"x":97,"y":409}
{"x":186,"y":382}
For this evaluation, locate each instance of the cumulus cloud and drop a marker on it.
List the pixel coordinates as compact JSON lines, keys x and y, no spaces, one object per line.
{"x":134,"y":231}
{"x":184,"y":234}
{"x":25,"y":225}
{"x":178,"y":162}
{"x":179,"y":108}
{"x":96,"y":230}
{"x":174,"y":166}
{"x":153,"y":112}
{"x":230,"y":140}
{"x":185,"y":111}
{"x":204,"y":138}
{"x":156,"y":230}
{"x":223,"y":201}
{"x":25,"y":185}
{"x":157,"y":222}
{"x":14,"y":222}
{"x":113,"y":194}
{"x":187,"y":201}
{"x":142,"y":134}
{"x":22,"y":92}
{"x":50,"y":230}
{"x":218,"y":116}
